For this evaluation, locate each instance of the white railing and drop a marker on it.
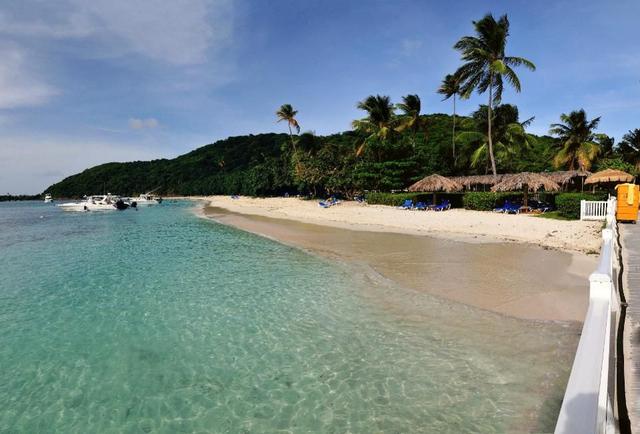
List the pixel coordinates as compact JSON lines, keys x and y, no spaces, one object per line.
{"x":593,"y":209}
{"x":588,"y":406}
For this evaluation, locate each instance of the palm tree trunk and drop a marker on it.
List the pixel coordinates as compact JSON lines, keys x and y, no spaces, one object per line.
{"x":293,"y":145}
{"x":493,"y":161}
{"x":453,"y":133}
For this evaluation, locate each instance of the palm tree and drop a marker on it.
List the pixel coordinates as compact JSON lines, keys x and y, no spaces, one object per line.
{"x":380,"y":120}
{"x":578,"y":140}
{"x":510,"y":138}
{"x":629,"y":147}
{"x":410,"y":118}
{"x":450,"y":87}
{"x":486,"y":65}
{"x":288,"y":114}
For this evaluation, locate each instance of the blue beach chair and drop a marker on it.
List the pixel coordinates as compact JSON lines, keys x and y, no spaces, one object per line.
{"x":507,"y":208}
{"x":445,"y":205}
{"x":408,"y":204}
{"x":421,"y":206}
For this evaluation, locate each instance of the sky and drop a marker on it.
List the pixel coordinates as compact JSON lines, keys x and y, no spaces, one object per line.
{"x":88,"y":82}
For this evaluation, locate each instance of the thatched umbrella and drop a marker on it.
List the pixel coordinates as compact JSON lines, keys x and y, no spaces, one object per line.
{"x":484,"y":180}
{"x":435,"y":183}
{"x":563,"y":177}
{"x":526,"y":181}
{"x":609,"y":175}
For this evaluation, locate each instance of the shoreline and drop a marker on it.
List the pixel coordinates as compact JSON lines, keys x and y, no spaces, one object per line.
{"x":560,"y":293}
{"x":456,"y":224}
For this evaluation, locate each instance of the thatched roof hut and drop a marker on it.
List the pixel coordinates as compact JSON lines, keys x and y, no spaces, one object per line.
{"x":532,"y":181}
{"x":609,"y":175}
{"x":526,"y":181}
{"x":564,"y":176}
{"x":436,"y":182}
{"x":468,"y":181}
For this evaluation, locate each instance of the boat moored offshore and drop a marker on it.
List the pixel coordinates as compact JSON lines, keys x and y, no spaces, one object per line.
{"x":106,"y":202}
{"x":147,"y":199}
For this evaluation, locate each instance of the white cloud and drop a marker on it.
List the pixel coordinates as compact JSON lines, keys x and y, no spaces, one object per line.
{"x":20,"y":86}
{"x":178,"y":32}
{"x":72,"y":25}
{"x":141,"y":124}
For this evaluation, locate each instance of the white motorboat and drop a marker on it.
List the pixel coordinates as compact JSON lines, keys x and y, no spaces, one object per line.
{"x":147,"y":199}
{"x":106,"y":202}
{"x":48,"y":198}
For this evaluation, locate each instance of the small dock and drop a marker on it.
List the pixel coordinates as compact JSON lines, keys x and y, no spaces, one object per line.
{"x":630,"y":239}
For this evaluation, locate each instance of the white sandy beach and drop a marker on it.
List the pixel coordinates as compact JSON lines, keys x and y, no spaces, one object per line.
{"x":458,"y":224}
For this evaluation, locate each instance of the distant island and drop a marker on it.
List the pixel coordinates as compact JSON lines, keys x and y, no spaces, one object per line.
{"x":18,"y":197}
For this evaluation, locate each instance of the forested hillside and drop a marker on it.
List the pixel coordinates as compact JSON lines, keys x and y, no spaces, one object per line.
{"x":347,"y":163}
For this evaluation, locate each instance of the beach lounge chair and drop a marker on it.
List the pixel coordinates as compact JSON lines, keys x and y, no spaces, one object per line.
{"x":421,"y":206}
{"x":445,"y":205}
{"x":324,"y":204}
{"x":540,"y":207}
{"x":512,"y":208}
{"x":408,"y":204}
{"x":508,"y":208}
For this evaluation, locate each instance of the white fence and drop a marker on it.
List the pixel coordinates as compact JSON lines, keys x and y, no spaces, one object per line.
{"x":594,"y":209}
{"x":589,"y":406}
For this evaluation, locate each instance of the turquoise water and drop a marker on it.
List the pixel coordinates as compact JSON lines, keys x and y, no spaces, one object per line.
{"x":158,"y":321}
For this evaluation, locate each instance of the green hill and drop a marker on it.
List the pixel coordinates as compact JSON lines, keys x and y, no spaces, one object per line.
{"x":265,"y":164}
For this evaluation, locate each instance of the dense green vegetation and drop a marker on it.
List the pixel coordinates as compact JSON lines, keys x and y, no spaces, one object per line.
{"x":487,"y":201}
{"x":568,"y":204}
{"x":347,"y":163}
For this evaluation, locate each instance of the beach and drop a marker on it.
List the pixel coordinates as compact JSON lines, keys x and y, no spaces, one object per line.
{"x":519,"y":266}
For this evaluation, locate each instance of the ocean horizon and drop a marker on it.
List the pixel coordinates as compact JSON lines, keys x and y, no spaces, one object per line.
{"x":160,"y":321}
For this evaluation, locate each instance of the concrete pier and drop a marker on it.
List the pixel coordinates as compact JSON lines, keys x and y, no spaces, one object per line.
{"x":630,"y":238}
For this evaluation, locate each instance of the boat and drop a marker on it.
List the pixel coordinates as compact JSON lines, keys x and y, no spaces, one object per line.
{"x":107,"y":202}
{"x":147,"y":199}
{"x":48,"y":198}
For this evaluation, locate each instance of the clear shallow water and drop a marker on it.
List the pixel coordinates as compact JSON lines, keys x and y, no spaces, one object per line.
{"x":158,"y":321}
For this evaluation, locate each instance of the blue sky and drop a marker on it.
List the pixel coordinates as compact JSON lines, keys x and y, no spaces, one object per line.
{"x":87,"y":82}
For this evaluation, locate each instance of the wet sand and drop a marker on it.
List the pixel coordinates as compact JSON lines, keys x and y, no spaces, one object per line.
{"x":517,"y":280}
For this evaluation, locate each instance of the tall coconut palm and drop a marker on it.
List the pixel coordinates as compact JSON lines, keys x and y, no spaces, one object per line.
{"x":450,"y":87}
{"x":578,"y":141}
{"x":510,"y":138}
{"x":379,"y":123}
{"x":487,"y":66}
{"x":287,"y":114}
{"x":410,"y":118}
{"x":629,"y":147}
